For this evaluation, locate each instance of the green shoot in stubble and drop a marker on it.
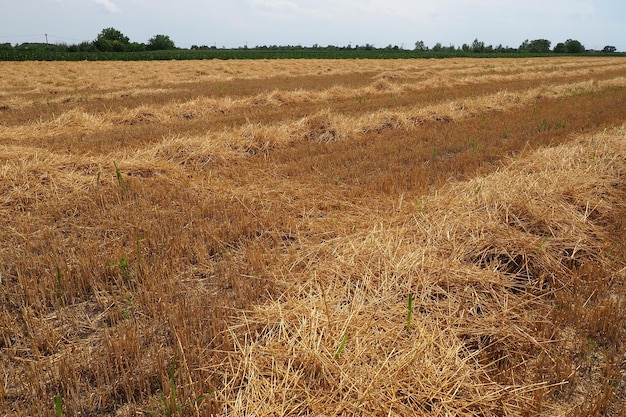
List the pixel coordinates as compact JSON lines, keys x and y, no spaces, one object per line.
{"x":120,"y":178}
{"x":58,"y":406}
{"x":129,"y":303}
{"x":173,"y":381}
{"x":544,"y":240}
{"x":123,"y":266}
{"x":172,"y":408}
{"x":612,"y":260}
{"x":537,"y":109}
{"x":473,"y":145}
{"x":485,"y":121}
{"x":409,"y":313}
{"x":59,"y":278}
{"x":342,"y":345}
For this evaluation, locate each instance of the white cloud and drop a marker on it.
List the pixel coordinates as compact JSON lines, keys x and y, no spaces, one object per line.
{"x":285,"y":9}
{"x":275,"y":4}
{"x":108,"y":5}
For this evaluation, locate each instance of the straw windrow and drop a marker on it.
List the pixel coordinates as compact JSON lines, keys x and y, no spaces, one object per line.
{"x":485,"y":284}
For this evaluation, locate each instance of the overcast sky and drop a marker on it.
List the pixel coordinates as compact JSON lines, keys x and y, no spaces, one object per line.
{"x":232,"y":23}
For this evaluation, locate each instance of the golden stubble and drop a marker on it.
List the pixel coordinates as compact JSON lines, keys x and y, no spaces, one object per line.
{"x":265,"y":222}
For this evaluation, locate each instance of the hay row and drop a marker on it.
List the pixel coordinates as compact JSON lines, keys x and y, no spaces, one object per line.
{"x":324,"y":126}
{"x":422,"y":77}
{"x":336,"y":341}
{"x":32,"y":77}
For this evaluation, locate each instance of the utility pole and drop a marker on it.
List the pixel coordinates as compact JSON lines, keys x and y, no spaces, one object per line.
{"x":46,"y":39}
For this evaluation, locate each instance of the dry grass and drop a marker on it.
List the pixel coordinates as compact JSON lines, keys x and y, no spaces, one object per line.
{"x":490,"y":263}
{"x":266,"y":223}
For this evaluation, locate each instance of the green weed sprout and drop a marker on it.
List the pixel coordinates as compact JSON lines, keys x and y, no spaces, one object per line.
{"x":409,"y":313}
{"x":58,"y":406}
{"x":171,"y":408}
{"x":123,"y":266}
{"x":473,"y":145}
{"x":544,"y":240}
{"x":342,"y":345}
{"x":120,"y":178}
{"x":59,"y":285}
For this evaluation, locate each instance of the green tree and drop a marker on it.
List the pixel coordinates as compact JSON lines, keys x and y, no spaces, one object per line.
{"x":111,"y":39}
{"x":82,"y":47}
{"x":574,"y":47}
{"x":609,"y":48}
{"x":420,"y":46}
{"x":535,"y":46}
{"x":478,"y":46}
{"x":524,"y":46}
{"x":161,"y":43}
{"x":136,"y":47}
{"x":560,"y":48}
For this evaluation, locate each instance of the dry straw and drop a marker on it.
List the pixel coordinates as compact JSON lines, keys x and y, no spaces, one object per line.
{"x":482,"y":261}
{"x":147,"y":213}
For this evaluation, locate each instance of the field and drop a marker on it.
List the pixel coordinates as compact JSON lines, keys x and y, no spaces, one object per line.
{"x":313,"y":237}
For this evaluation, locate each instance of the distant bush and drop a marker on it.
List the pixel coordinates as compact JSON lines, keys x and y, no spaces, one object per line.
{"x":31,"y":46}
{"x":136,"y":47}
{"x":82,"y":47}
{"x":574,"y":47}
{"x":478,"y":46}
{"x":111,"y":40}
{"x":160,"y":43}
{"x":570,"y":46}
{"x":420,"y":46}
{"x":540,"y":46}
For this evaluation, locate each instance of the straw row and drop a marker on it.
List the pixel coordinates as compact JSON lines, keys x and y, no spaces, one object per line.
{"x":337,"y":340}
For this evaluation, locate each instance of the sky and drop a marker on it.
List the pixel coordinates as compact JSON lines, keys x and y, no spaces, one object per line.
{"x":234,"y":23}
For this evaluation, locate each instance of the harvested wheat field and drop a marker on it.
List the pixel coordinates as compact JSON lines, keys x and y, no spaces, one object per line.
{"x":321,"y":238}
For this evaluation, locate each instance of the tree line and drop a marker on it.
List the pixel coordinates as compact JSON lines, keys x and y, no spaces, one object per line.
{"x":113,"y":40}
{"x":109,"y":40}
{"x":536,"y":46}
